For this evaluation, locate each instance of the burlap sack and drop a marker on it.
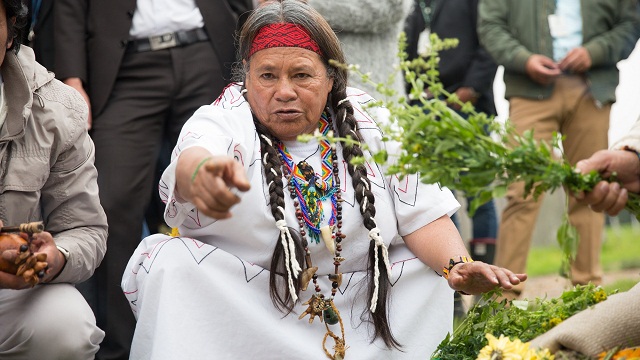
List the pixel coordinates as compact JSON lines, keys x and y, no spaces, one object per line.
{"x":613,"y":322}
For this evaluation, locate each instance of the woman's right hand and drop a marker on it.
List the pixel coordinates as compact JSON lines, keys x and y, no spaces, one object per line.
{"x":209,"y":182}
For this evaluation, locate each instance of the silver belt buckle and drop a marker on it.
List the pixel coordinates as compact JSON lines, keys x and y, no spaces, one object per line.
{"x":162,"y":42}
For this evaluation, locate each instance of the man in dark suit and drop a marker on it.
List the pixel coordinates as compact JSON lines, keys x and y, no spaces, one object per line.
{"x":468,"y":71}
{"x":144,"y":69}
{"x":40,"y":34}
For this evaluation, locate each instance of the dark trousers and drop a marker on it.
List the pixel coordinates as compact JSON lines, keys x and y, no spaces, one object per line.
{"x":154,"y":94}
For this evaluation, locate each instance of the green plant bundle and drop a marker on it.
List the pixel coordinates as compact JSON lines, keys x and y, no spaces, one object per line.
{"x":523,"y":320}
{"x":443,"y":147}
{"x":474,"y":154}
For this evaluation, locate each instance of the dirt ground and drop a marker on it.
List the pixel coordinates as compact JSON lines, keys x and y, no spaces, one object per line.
{"x":553,"y":286}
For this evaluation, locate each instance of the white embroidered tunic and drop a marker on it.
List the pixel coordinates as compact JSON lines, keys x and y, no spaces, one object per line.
{"x":205,"y":295}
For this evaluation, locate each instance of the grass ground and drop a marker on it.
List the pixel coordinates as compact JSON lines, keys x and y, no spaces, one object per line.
{"x":620,"y":251}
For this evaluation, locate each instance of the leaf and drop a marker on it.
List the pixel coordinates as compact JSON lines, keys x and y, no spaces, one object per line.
{"x":381,"y":157}
{"x":567,"y":237}
{"x":499,"y":191}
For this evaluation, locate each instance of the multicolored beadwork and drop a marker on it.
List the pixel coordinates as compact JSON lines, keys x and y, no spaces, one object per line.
{"x":310,"y":190}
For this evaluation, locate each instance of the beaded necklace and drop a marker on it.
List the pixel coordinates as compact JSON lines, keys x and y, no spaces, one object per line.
{"x":310,"y":190}
{"x":307,"y":194}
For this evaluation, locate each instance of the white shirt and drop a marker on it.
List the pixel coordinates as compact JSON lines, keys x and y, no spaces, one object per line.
{"x":157,"y":17}
{"x":567,"y":30}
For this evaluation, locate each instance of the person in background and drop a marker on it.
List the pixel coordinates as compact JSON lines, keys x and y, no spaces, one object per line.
{"x":144,"y":67}
{"x":41,"y":29}
{"x":613,"y":322}
{"x":47,"y":175}
{"x":560,"y":74}
{"x":369,"y":31}
{"x":288,"y":249}
{"x":468,"y":71}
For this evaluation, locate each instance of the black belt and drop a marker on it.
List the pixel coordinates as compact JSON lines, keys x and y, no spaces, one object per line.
{"x":167,"y":41}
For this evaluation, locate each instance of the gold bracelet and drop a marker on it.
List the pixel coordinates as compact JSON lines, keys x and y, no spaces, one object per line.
{"x":453,"y":262}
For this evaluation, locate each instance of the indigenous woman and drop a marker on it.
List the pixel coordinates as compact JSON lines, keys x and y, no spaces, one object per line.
{"x":290,"y":250}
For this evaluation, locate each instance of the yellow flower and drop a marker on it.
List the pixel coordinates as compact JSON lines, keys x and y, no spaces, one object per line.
{"x":600,"y":295}
{"x":554,"y":321}
{"x":539,"y":354}
{"x":503,"y":349}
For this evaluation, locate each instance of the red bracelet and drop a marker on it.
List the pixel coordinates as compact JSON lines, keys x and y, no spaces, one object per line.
{"x":453,"y":262}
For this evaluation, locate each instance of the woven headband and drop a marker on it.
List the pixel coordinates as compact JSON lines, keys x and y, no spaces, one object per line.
{"x":283,"y":35}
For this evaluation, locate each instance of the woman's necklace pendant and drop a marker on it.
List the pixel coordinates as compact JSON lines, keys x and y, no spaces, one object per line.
{"x":326,"y":232}
{"x":329,"y":315}
{"x":317,"y":304}
{"x":306,"y":277}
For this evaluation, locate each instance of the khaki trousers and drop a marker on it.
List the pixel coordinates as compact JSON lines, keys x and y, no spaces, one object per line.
{"x":571,"y":111}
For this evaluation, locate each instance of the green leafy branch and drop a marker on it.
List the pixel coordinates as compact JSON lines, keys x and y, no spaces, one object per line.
{"x":477,"y":154}
{"x":444,"y":147}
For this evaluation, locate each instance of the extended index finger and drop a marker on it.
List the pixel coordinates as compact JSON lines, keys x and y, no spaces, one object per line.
{"x":232,"y":172}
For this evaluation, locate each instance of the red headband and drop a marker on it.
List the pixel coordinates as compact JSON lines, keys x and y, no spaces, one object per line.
{"x":283,"y":35}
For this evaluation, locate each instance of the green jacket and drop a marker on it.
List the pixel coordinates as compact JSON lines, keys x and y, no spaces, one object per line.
{"x":513,"y":30}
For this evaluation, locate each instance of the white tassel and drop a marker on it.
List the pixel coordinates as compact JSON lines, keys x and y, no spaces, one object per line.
{"x":342,"y":101}
{"x":289,"y":254}
{"x":266,"y":138}
{"x":365,"y":201}
{"x":374,"y":235}
{"x":365,"y":183}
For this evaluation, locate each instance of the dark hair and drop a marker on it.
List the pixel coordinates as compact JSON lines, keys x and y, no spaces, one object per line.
{"x":15,"y":9}
{"x":297,"y":12}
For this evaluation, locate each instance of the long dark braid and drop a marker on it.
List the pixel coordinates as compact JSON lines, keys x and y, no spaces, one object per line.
{"x":272,"y":165}
{"x":346,"y":126}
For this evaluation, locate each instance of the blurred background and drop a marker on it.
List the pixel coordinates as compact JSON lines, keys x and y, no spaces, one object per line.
{"x":620,"y":261}
{"x":624,"y":113}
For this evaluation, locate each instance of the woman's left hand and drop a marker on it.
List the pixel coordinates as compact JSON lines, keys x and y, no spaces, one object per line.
{"x":477,"y":277}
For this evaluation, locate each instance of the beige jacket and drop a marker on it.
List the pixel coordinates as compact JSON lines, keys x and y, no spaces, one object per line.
{"x":46,"y":164}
